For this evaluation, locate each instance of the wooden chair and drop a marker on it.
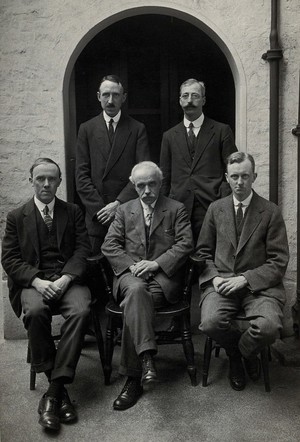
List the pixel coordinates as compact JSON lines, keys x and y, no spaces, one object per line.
{"x":210,"y":345}
{"x":96,"y":332}
{"x":179,"y":310}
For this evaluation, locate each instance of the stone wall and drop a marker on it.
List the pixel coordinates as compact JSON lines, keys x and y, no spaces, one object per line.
{"x":39,"y":38}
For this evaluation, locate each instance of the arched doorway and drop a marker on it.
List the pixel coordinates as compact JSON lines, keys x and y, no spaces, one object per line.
{"x":153,"y":54}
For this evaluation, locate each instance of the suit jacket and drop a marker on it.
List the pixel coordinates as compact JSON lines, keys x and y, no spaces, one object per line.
{"x":202,"y":177}
{"x":21,"y":251}
{"x":170,"y":242}
{"x":102,"y":171}
{"x":261,"y":255}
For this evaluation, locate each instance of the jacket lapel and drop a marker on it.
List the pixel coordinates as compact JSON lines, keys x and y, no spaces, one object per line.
{"x":182,"y":144}
{"x":252,"y":220}
{"x":31,"y":226}
{"x":101,"y":134}
{"x":120,"y":140}
{"x":228,"y":216}
{"x":137,"y":218}
{"x":61,"y":215}
{"x":205,"y":135}
{"x":158,"y":215}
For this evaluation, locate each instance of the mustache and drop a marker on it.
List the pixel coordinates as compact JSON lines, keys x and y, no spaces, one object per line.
{"x":190,"y":106}
{"x":110,"y":105}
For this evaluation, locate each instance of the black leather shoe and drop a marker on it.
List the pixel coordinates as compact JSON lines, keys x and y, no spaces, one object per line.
{"x":48,"y":410}
{"x":129,"y":395}
{"x":67,"y":412}
{"x":253,"y":368}
{"x":236,"y":373}
{"x":149,"y":373}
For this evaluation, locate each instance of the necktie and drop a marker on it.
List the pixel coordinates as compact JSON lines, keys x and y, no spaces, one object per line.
{"x":191,"y":140}
{"x":47,"y":218}
{"x":111,"y":132}
{"x":149,"y":215}
{"x":239,"y":219}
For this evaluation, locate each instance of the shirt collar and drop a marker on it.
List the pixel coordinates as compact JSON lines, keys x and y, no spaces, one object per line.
{"x":41,"y":205}
{"x":145,"y":206}
{"x":116,"y":118}
{"x":246,"y":201}
{"x":197,"y":123}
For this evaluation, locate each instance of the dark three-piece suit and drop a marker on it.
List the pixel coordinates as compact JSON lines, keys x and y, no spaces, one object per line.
{"x":29,"y":251}
{"x":197,"y":181}
{"x":102,"y":169}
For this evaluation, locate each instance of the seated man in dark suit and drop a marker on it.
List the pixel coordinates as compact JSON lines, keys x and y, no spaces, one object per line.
{"x":146,"y":245}
{"x":44,"y":253}
{"x":243,"y":240}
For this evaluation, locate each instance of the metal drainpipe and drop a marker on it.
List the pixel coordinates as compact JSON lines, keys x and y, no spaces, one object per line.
{"x":296,"y":132}
{"x":273,"y":55}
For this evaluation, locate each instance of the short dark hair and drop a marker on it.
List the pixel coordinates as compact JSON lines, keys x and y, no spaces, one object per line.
{"x":114,"y":78}
{"x":39,"y":161}
{"x":239,"y":157}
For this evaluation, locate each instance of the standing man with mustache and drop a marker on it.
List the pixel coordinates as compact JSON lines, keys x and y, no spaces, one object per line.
{"x":108,"y":147}
{"x":193,"y":156}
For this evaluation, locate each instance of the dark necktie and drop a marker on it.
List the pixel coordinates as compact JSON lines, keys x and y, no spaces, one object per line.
{"x":47,"y":218}
{"x":111,"y":132}
{"x":191,"y":140}
{"x":239,"y":219}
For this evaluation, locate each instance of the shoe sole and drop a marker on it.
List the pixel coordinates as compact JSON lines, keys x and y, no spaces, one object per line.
{"x":49,"y":427}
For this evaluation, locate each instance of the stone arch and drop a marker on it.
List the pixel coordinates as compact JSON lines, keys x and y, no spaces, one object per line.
{"x":200,"y":22}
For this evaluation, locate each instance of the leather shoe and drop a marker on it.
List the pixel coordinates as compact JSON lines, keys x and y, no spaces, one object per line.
{"x":236,"y":373}
{"x":48,"y":410}
{"x":149,"y":373}
{"x":129,"y":395}
{"x":253,"y":368}
{"x":67,"y":412}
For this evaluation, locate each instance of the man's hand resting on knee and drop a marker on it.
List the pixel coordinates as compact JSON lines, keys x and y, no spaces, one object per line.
{"x":228,"y":286}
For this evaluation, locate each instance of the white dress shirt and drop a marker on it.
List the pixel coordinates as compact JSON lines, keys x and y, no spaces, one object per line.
{"x":41,"y":207}
{"x":116,"y":119}
{"x":197,"y":124}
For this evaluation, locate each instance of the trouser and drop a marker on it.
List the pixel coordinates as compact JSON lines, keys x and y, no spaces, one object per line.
{"x":264,"y":315}
{"x":139,"y":300}
{"x":74,"y":306}
{"x":197,"y":217}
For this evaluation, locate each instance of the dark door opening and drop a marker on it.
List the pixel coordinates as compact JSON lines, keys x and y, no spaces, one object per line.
{"x":153,"y":55}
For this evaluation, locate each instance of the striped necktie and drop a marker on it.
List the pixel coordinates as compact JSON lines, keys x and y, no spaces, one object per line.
{"x":149,"y":215}
{"x":47,"y":218}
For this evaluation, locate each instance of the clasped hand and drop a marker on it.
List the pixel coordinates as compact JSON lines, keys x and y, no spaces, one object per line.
{"x":51,"y":291}
{"x":227,"y":286}
{"x":144,"y":269}
{"x":107,"y":213}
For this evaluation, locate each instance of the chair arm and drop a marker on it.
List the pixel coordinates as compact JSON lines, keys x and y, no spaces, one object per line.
{"x":199,"y":263}
{"x":95,"y":259}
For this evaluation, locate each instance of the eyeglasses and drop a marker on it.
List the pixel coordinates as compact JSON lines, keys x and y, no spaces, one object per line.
{"x":193,"y":96}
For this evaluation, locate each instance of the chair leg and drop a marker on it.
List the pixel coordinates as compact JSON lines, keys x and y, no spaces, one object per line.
{"x":32,"y":371}
{"x":188,"y":348}
{"x":98,"y":336}
{"x":264,"y":356}
{"x":109,"y":350}
{"x":206,"y":360}
{"x":32,"y":378}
